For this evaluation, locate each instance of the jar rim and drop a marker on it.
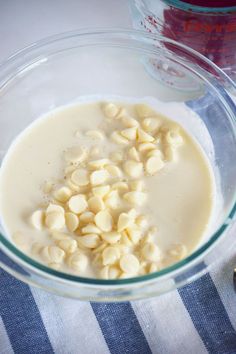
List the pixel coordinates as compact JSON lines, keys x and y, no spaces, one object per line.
{"x":186,"y":6}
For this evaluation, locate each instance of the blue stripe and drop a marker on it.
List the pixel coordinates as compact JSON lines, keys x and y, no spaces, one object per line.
{"x":209,"y":316}
{"x":200,"y":267}
{"x":121,"y":328}
{"x":21,"y":317}
{"x":8,"y":262}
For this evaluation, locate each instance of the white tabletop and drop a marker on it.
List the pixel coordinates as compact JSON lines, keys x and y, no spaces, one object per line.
{"x":25,"y":21}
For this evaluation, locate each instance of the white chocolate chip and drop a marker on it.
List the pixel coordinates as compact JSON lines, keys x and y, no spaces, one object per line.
{"x":147,"y":238}
{"x":158,"y":138}
{"x":153,"y":268}
{"x":69,"y":169}
{"x":36,"y":248}
{"x":91,"y":229}
{"x":62,"y":194}
{"x":133,"y":169}
{"x":117,"y":156}
{"x":142,"y":221}
{"x":135,"y":198}
{"x":77,"y":204}
{"x":97,"y":164}
{"x":122,"y":112}
{"x":94,"y":151}
{"x":111,"y":237}
{"x":125,"y":240}
{"x":53,"y":254}
{"x":87,"y":217}
{"x":134,"y":234}
{"x":155,"y":152}
{"x":114,"y":171}
{"x":150,"y":124}
{"x":170,"y":153}
{"x":55,"y":266}
{"x":69,"y":245}
{"x":75,"y":154}
{"x":133,"y":154}
{"x":174,"y":138}
{"x":124,"y":221}
{"x":104,"y":221}
{"x":71,"y":185}
{"x":151,"y":252}
{"x":124,"y":276}
{"x":129,"y":122}
{"x":89,"y":241}
{"x":119,"y":139}
{"x":179,"y":251}
{"x":144,"y":137}
{"x":99,"y":177}
{"x":55,"y":220}
{"x":80,"y":177}
{"x":54,"y":207}
{"x":112,"y":200}
{"x":137,"y":185}
{"x":95,"y":134}
{"x":104,"y":273}
{"x":143,"y":110}
{"x":72,"y":221}
{"x":113,"y":272}
{"x":123,"y":248}
{"x":100,"y":248}
{"x":57,"y":235}
{"x":129,"y":133}
{"x":149,"y":235}
{"x":122,"y":186}
{"x":129,"y":264}
{"x":110,"y":110}
{"x":146,"y":147}
{"x":78,"y":261}
{"x":97,"y":260}
{"x":101,"y":191}
{"x":110,"y":255}
{"x":132,"y":213}
{"x":37,"y":219}
{"x":142,"y":269}
{"x":153,"y":165}
{"x":96,"y":204}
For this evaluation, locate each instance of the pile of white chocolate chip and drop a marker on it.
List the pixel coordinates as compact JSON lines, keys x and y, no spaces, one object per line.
{"x":94,"y":218}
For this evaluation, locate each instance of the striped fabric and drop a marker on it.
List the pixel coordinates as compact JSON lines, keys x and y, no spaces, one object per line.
{"x":198,"y":318}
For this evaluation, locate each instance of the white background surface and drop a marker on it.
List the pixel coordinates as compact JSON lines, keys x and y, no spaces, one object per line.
{"x":25,"y":21}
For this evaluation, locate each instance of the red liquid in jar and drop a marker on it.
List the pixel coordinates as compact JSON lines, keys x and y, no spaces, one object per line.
{"x":211,"y":34}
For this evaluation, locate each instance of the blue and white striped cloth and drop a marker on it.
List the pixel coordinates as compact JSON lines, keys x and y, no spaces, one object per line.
{"x":197,"y":319}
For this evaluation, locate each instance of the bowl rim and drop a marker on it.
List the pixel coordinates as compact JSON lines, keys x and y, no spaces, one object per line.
{"x":193,"y":257}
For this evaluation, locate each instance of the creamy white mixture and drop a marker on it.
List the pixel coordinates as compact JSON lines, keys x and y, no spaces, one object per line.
{"x":146,"y":203}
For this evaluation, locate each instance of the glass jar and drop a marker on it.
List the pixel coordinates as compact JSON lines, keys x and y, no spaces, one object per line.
{"x":206,"y":26}
{"x":58,"y":70}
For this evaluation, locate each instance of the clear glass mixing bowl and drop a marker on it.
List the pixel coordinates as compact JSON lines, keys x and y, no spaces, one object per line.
{"x":58,"y":70}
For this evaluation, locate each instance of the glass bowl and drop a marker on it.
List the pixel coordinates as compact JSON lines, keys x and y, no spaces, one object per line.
{"x":58,"y":70}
